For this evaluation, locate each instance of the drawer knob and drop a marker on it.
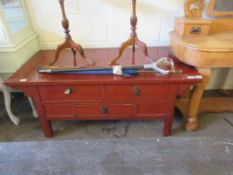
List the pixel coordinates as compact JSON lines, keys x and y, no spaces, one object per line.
{"x":195,"y":30}
{"x":136,"y":91}
{"x":104,"y":110}
{"x":68,"y":91}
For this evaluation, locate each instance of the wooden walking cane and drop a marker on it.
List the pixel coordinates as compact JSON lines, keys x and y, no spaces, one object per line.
{"x":69,"y":43}
{"x":117,"y":70}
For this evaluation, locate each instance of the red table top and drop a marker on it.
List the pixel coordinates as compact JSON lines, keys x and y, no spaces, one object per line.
{"x":27,"y":75}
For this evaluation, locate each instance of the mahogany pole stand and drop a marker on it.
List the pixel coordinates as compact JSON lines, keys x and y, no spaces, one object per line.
{"x":69,"y":43}
{"x":133,"y":40}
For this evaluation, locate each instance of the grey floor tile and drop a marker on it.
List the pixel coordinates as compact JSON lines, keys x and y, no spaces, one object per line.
{"x":114,"y":147}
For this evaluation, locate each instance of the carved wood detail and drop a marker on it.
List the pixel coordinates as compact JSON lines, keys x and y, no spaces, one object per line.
{"x":192,"y":118}
{"x":133,"y":39}
{"x":194,"y":8}
{"x":69,"y":43}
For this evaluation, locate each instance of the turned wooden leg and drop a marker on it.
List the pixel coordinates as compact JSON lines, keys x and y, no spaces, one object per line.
{"x":7,"y":101}
{"x":192,"y":118}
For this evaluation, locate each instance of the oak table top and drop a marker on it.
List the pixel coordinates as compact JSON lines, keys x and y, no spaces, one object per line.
{"x":211,"y":51}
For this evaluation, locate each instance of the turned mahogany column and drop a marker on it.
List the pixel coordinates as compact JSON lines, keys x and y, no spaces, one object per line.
{"x":69,"y":43}
{"x":133,"y":39}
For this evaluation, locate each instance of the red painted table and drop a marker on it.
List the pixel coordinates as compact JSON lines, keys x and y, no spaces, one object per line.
{"x":103,"y":97}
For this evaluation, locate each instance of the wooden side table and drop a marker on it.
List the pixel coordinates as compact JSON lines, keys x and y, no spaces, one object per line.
{"x":7,"y":102}
{"x":103,"y":97}
{"x":205,"y":52}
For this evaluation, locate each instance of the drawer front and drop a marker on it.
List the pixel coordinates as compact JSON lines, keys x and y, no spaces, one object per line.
{"x":192,"y":27}
{"x":104,"y":111}
{"x":196,"y":29}
{"x":133,"y":92}
{"x":70,"y":93}
{"x":153,"y":108}
{"x":59,"y":110}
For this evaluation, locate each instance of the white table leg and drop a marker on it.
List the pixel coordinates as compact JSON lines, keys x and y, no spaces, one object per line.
{"x":34,"y":112}
{"x":7,"y":101}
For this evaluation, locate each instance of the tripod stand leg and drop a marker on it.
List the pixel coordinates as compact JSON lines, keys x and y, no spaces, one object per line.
{"x":78,"y":48}
{"x":124,"y":45}
{"x":142,"y":46}
{"x":58,"y":52}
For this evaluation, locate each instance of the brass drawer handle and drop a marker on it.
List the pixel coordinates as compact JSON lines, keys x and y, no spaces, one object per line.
{"x":136,"y":91}
{"x":104,"y":110}
{"x":195,"y":30}
{"x":68,"y":91}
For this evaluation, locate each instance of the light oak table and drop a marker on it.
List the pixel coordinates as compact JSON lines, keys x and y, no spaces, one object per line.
{"x":204,"y":52}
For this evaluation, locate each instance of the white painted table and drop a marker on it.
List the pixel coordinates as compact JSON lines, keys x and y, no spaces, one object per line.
{"x":7,"y":101}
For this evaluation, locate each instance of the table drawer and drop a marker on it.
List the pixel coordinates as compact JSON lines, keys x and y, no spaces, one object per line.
{"x":104,"y":111}
{"x":59,"y":110}
{"x":191,"y":27}
{"x":196,"y":29}
{"x":152,"y":108}
{"x":76,"y":93}
{"x":120,"y":92}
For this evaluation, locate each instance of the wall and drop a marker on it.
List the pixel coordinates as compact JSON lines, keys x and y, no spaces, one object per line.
{"x":12,"y":58}
{"x":105,"y":23}
{"x":18,"y":41}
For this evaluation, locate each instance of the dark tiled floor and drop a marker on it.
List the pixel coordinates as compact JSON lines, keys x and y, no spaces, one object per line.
{"x":114,"y":147}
